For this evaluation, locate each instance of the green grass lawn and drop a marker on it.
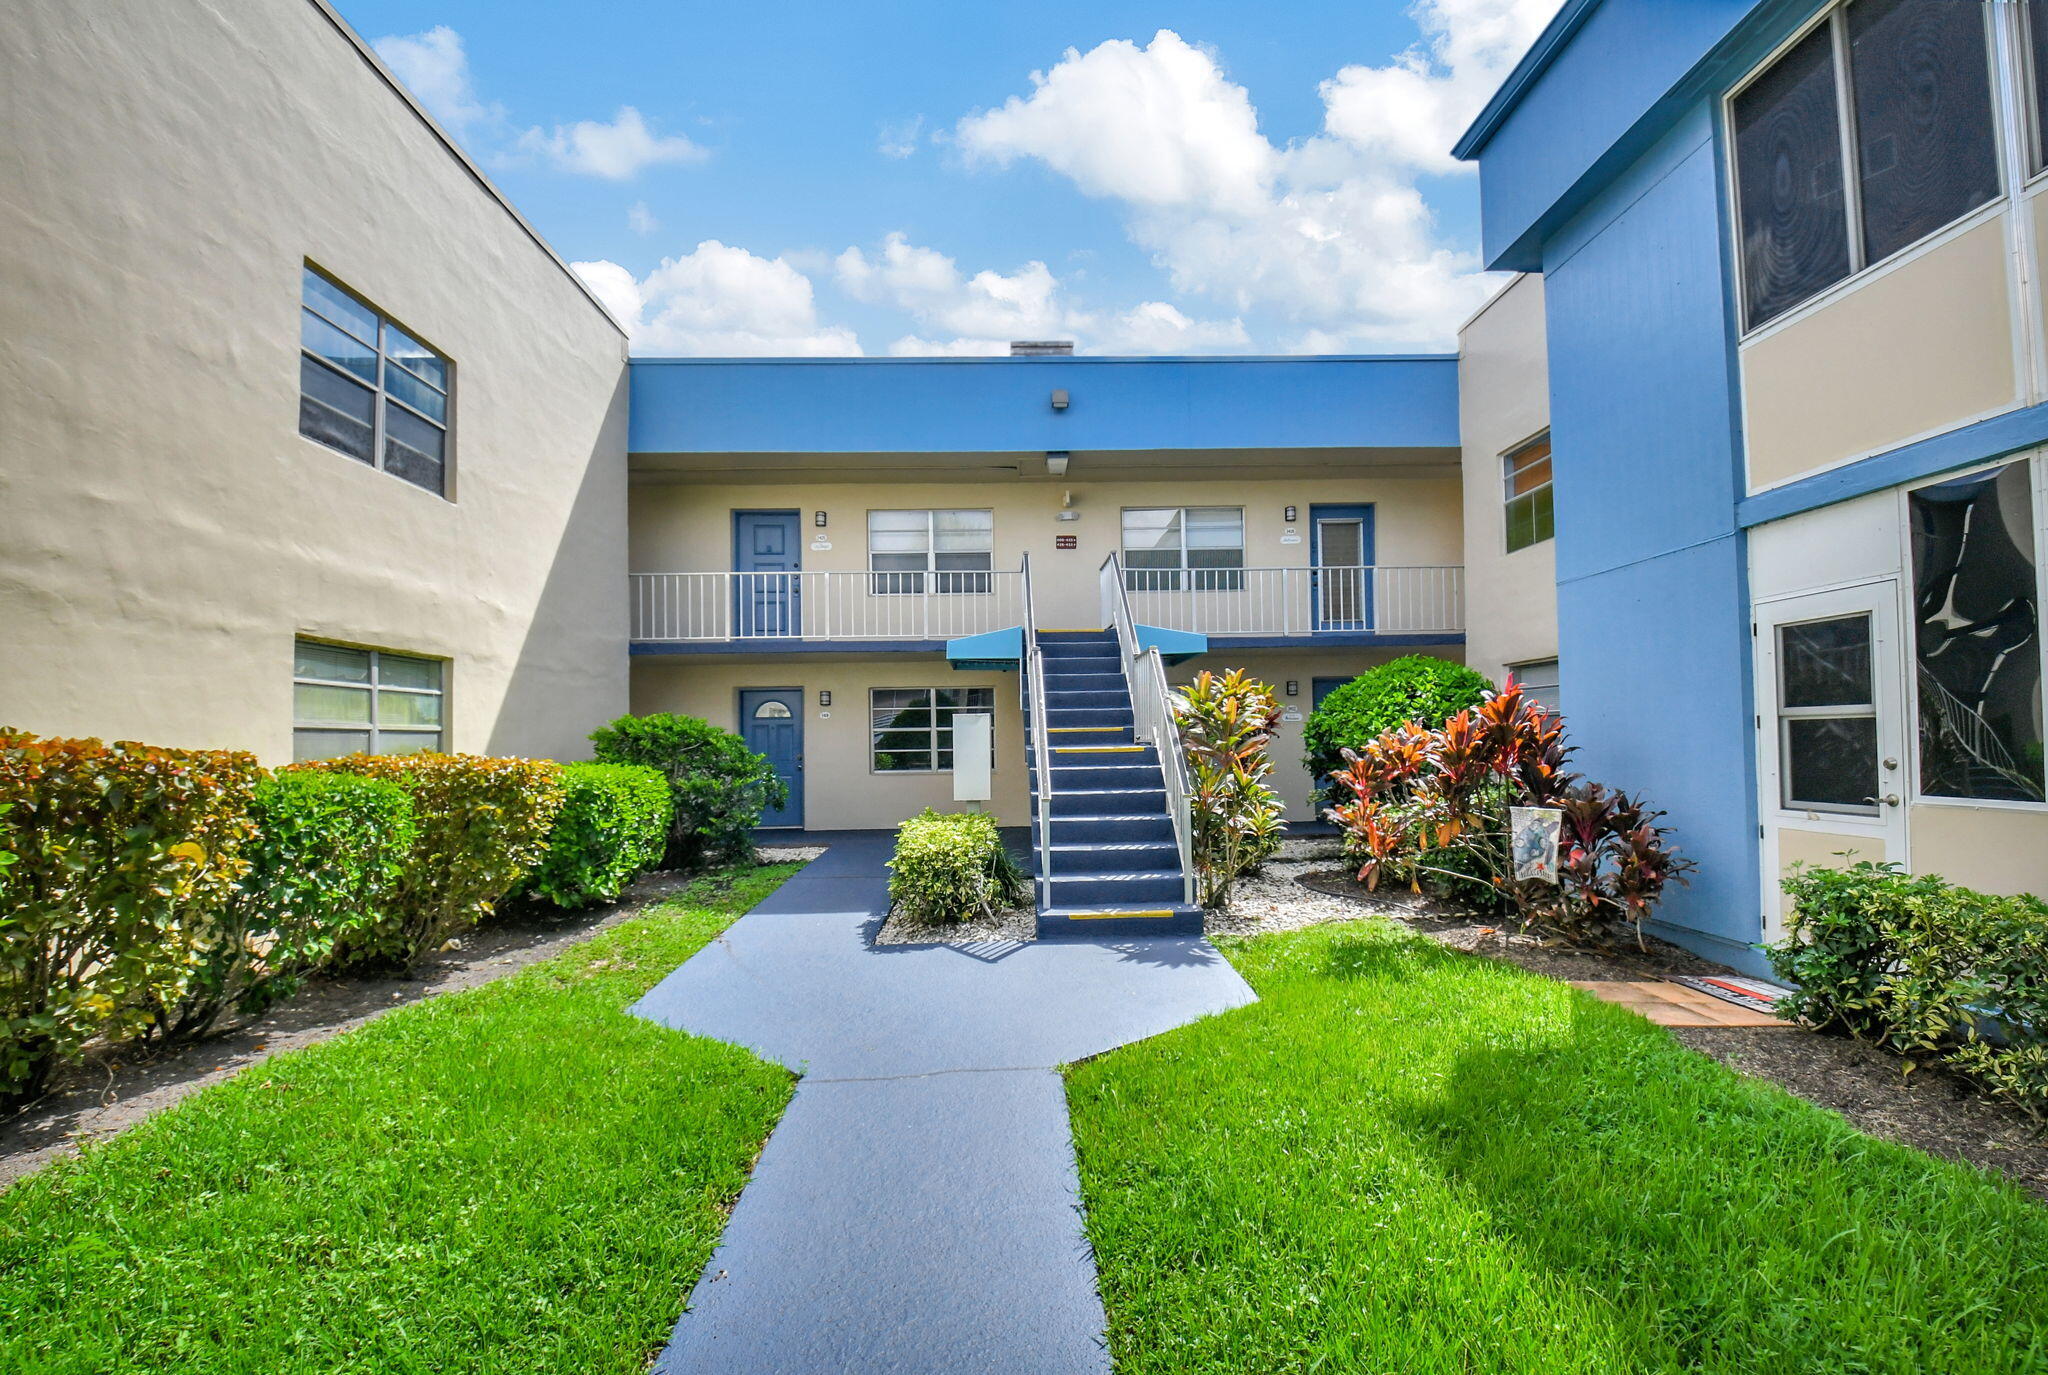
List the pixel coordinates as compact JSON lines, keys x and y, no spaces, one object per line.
{"x":1409,"y":1160}
{"x":515,"y":1178}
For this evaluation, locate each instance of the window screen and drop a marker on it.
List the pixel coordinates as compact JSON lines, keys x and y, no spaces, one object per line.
{"x":1920,"y":74}
{"x":1827,"y":716}
{"x":1788,"y":170}
{"x":1976,"y":636}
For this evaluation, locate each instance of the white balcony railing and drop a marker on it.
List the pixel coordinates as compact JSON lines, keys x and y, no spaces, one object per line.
{"x":1300,"y":601}
{"x":706,"y":607}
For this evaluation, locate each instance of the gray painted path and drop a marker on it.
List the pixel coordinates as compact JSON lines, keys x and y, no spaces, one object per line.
{"x":917,"y":1210}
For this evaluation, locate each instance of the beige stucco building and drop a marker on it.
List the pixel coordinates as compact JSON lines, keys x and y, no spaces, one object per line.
{"x":168,"y":532}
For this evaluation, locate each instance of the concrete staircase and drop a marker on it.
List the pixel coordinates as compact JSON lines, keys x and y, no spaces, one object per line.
{"x":1114,"y":867}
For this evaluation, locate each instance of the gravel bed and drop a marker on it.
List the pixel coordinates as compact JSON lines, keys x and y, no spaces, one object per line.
{"x":789,"y":854}
{"x":1013,"y":926}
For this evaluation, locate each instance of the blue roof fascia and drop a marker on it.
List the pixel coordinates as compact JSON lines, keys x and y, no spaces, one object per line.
{"x":1004,"y":405}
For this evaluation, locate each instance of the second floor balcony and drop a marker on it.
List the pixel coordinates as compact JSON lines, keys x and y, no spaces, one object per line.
{"x":1247,"y":607}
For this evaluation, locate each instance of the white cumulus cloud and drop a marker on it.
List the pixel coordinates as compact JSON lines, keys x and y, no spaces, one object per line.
{"x":435,"y":68}
{"x":961,"y":314}
{"x":898,"y":138}
{"x":616,"y":151}
{"x":1332,"y":234}
{"x":640,"y":219}
{"x":717,"y":300}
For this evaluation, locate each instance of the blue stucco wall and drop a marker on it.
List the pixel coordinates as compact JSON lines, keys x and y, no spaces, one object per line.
{"x":1002,"y":405}
{"x":1652,"y":599}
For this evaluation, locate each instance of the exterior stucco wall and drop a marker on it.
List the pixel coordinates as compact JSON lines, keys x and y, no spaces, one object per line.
{"x":1503,"y":401}
{"x":1920,"y":347}
{"x":164,"y":530}
{"x":842,"y":791}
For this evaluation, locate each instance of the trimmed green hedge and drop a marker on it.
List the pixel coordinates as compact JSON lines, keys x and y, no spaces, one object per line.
{"x":1415,"y":687}
{"x":952,"y":866}
{"x":483,"y":823}
{"x":124,"y":854}
{"x":1925,"y":969}
{"x":325,"y":860}
{"x":718,"y":786}
{"x":612,"y":828}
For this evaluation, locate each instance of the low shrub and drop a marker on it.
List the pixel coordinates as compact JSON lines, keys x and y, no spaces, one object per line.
{"x":482,"y":824}
{"x":1416,"y":793}
{"x":1925,"y":969}
{"x":1416,"y":687}
{"x":324,"y":862}
{"x":718,"y":786}
{"x":124,"y":854}
{"x":952,"y":866}
{"x":613,"y":827}
{"x":1226,"y":722}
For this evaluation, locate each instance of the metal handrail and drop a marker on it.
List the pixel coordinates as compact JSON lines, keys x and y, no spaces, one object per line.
{"x":1152,"y":715}
{"x":1031,"y":688}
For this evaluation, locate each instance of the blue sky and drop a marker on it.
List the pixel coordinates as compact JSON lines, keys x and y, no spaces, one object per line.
{"x":806,"y":177}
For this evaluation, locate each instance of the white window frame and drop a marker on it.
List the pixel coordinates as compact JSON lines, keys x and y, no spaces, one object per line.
{"x":932,"y":729}
{"x":376,"y":687}
{"x":947,"y":582}
{"x":2007,"y":92}
{"x":1909,"y":628}
{"x":381,"y":396}
{"x":1217,"y":579}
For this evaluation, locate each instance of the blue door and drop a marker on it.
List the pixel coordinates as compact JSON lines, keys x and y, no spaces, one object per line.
{"x":767,"y":552}
{"x":1340,"y":550}
{"x":772,"y":723}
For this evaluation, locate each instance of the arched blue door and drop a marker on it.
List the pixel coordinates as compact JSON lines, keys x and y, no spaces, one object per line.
{"x":772,"y":723}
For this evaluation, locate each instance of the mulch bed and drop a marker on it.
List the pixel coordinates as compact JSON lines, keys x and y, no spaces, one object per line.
{"x":113,"y":1088}
{"x":1879,"y":1093}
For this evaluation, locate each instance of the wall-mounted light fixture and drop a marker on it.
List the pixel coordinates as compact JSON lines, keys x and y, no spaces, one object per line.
{"x":824,"y":697}
{"x":818,"y":519}
{"x":1294,"y":687}
{"x":1290,"y":515}
{"x":1059,"y":398}
{"x":1056,"y":462}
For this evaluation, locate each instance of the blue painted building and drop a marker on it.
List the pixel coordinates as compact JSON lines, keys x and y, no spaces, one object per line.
{"x":1792,"y":265}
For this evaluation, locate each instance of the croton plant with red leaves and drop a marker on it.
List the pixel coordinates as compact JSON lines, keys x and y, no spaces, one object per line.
{"x":1415,"y":796}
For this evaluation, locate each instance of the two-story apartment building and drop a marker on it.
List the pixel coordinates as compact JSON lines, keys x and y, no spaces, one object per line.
{"x":827,"y":554}
{"x":1792,"y":265}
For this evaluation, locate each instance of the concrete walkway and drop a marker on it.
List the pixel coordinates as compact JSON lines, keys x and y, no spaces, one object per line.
{"x":917,"y":1209}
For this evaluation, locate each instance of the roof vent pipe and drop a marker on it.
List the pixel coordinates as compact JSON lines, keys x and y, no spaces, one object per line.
{"x":1040,"y":348}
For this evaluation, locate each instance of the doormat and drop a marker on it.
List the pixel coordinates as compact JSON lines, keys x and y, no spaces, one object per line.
{"x":1750,"y":993}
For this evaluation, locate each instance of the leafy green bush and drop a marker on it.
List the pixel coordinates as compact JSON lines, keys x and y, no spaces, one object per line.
{"x":124,"y":853}
{"x":1415,"y":687}
{"x":718,"y":786}
{"x":612,"y":828}
{"x":325,"y":860}
{"x":1226,"y":722}
{"x":951,"y":866}
{"x":483,"y":823}
{"x":1923,"y":968}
